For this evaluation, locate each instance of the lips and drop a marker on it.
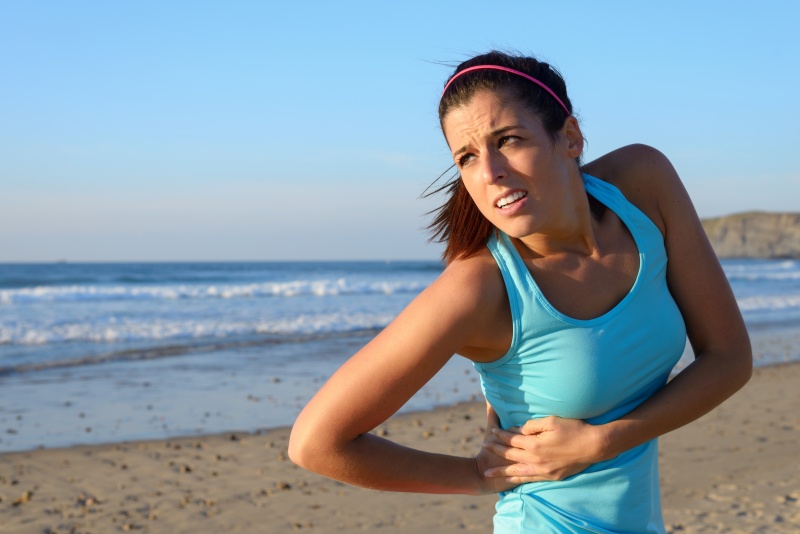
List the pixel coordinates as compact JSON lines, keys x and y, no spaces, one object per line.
{"x":508,"y":200}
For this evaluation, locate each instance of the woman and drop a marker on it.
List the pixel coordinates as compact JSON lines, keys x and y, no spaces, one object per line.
{"x":557,"y":287}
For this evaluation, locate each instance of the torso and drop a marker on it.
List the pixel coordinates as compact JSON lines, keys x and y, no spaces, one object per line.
{"x":595,"y":368}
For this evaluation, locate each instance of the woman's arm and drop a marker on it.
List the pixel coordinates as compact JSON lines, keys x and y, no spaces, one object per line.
{"x":552,"y":448}
{"x":331,"y":436}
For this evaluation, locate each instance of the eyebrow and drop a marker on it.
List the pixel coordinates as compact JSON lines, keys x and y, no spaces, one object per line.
{"x":493,"y":133}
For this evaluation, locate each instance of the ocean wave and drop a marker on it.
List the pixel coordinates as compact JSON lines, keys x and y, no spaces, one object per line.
{"x":172,"y":349}
{"x":763,"y":276}
{"x":768,"y":302}
{"x":318,"y":288}
{"x":127,"y":331}
{"x":751,"y":272}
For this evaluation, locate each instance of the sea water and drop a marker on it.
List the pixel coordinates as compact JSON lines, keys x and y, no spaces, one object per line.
{"x":116,"y":351}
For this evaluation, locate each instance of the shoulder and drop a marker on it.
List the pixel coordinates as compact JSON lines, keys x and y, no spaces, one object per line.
{"x":473,"y":288}
{"x":644,"y":175}
{"x":476,"y":280}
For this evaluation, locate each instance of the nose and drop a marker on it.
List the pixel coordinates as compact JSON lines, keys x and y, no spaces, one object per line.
{"x":494,"y":167}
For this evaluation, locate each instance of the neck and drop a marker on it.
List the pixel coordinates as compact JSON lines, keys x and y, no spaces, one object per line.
{"x":573,"y":231}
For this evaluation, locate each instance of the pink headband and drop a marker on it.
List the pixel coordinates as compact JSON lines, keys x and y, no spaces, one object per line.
{"x":512,"y":71}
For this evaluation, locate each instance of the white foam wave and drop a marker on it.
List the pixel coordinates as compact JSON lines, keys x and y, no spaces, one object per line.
{"x":757,"y":276}
{"x":318,"y":288}
{"x":783,"y":270}
{"x":768,"y":302}
{"x":135,"y":331}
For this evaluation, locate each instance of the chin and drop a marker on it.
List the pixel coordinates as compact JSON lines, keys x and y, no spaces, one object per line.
{"x":517,"y":229}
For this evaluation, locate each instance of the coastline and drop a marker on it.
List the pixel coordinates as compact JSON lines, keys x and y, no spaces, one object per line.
{"x":734,"y":470}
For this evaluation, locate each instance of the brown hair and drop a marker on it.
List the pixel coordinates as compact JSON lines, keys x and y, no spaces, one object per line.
{"x":458,"y":223}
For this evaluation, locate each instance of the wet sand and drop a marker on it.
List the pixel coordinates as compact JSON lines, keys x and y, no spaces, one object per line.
{"x":735,"y":470}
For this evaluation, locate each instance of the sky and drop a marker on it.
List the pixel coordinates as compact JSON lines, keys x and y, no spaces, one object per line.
{"x":227,"y":131}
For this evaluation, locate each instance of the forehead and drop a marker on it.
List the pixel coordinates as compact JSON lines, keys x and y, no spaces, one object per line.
{"x":484,"y":113}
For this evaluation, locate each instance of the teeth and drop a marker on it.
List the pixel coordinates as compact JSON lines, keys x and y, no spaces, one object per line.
{"x":513,"y":197}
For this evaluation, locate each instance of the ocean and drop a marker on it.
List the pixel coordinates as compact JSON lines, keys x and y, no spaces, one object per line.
{"x":105,"y":352}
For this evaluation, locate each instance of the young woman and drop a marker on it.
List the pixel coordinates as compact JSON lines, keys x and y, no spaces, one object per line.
{"x":559,"y":289}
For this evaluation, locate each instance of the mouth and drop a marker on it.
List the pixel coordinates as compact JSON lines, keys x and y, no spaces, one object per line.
{"x":510,"y":199}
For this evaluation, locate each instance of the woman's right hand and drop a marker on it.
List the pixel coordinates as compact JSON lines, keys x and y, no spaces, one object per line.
{"x":486,"y":459}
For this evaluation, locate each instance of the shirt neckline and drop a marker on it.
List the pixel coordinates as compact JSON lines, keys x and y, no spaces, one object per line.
{"x":632,"y":229}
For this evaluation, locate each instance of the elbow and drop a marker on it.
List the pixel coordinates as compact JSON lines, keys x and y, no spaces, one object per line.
{"x":747,"y":371}
{"x":299,"y":446}
{"x":742,"y":370}
{"x":309,"y":449}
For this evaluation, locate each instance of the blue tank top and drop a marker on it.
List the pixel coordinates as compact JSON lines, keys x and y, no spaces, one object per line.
{"x":596,"y":370}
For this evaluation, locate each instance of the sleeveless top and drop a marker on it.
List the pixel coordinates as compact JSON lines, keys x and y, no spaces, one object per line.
{"x":596,"y":370}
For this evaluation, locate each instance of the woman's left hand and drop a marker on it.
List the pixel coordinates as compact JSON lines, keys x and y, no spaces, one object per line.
{"x":546,"y":449}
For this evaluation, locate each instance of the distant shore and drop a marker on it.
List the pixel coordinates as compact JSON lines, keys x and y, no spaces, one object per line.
{"x":734,"y":470}
{"x":755,"y":234}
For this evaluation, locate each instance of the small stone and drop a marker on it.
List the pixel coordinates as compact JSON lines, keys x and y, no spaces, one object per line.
{"x":24,"y":497}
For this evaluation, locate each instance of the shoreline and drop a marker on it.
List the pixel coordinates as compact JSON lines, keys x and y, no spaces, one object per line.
{"x":733,"y":470}
{"x":245,"y":395}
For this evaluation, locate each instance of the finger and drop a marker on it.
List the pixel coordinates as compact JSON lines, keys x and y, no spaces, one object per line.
{"x":492,"y":421}
{"x":536,"y":426}
{"x":491,"y":415}
{"x":490,"y":437}
{"x":520,"y":441}
{"x":512,"y":454}
{"x":513,"y":470}
{"x":523,"y":480}
{"x":499,"y":472}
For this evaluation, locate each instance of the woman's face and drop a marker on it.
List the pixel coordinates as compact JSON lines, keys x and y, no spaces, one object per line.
{"x":518,"y":177}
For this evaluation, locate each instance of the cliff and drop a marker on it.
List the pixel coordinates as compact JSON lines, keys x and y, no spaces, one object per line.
{"x":755,"y":235}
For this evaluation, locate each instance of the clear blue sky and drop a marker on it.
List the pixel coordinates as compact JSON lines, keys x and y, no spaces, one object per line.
{"x":307,"y":130}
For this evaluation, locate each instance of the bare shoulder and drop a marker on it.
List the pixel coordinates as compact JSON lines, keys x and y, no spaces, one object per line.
{"x":472,"y":286}
{"x":644,"y":175}
{"x":476,"y":285}
{"x":476,"y":278}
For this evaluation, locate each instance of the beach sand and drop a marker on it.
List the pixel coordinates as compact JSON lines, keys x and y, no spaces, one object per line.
{"x":735,"y":470}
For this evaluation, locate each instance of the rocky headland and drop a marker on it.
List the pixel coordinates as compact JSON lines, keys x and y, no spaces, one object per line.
{"x":755,"y":234}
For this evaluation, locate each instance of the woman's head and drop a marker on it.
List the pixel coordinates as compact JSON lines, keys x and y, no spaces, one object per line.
{"x":545,"y":95}
{"x":518,"y":80}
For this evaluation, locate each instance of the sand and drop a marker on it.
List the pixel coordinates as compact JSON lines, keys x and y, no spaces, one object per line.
{"x":735,"y":470}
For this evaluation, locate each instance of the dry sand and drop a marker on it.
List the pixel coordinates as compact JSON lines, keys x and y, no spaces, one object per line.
{"x":735,"y":470}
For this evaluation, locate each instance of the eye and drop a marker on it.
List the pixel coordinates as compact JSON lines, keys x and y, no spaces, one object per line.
{"x":507,"y":139}
{"x":465,"y":159}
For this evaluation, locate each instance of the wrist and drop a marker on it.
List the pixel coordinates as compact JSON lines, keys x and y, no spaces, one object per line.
{"x":482,"y":484}
{"x":609,"y":441}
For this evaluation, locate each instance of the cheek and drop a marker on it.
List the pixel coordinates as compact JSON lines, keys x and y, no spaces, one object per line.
{"x":479,"y":198}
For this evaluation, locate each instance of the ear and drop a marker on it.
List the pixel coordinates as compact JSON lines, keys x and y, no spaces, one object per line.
{"x":573,"y":136}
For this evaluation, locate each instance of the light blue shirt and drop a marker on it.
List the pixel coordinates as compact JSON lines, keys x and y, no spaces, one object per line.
{"x":597,"y":370}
